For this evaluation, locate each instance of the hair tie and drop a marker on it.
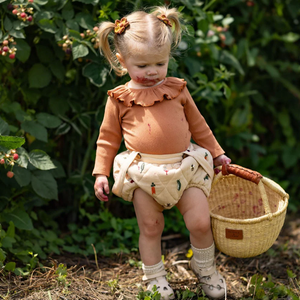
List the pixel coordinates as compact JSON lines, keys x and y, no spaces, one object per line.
{"x":165,"y":20}
{"x":120,"y":26}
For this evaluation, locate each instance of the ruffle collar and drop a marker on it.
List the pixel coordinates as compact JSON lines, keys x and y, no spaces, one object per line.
{"x":169,"y":89}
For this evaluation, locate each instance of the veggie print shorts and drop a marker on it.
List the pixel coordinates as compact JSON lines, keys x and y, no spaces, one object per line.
{"x":163,"y":177}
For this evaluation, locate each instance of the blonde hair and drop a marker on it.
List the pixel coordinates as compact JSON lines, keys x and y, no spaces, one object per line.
{"x":143,"y":28}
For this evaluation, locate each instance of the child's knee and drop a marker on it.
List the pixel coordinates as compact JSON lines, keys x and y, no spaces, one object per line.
{"x":200,"y":225}
{"x":152,"y":228}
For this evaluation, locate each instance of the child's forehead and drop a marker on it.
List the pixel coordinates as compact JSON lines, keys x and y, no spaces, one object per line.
{"x":148,"y":50}
{"x":150,"y":56}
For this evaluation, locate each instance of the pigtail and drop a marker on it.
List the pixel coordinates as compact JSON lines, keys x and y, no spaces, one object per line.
{"x":173,"y":15}
{"x":105,"y":29}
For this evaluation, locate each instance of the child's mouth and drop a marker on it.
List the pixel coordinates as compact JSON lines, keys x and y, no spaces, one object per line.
{"x":144,"y":80}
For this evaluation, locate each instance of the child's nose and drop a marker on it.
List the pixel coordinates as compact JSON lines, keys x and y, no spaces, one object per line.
{"x":152,"y":72}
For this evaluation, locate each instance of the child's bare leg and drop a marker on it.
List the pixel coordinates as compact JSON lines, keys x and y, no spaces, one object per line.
{"x":151,"y":224}
{"x":194,"y":208}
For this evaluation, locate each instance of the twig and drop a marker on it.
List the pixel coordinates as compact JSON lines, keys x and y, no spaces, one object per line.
{"x":96,"y":259}
{"x":180,"y":262}
{"x":49,"y":294}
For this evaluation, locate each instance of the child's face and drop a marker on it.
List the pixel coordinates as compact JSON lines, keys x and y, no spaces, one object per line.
{"x":147,"y":69}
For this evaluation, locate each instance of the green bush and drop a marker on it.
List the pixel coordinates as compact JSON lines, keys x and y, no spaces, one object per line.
{"x":241,"y":62}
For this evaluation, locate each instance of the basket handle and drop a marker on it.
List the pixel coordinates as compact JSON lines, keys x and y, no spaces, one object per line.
{"x":242,"y":172}
{"x":252,"y":176}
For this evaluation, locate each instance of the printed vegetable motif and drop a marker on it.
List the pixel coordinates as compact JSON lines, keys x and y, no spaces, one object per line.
{"x":178,"y":185}
{"x":206,"y":177}
{"x":142,"y":167}
{"x":206,"y":155}
{"x":153,"y":188}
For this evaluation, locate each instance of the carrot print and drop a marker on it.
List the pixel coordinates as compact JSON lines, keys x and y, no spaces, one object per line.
{"x":153,"y":188}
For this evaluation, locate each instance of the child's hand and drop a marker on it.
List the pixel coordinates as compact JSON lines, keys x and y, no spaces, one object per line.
{"x":221,"y":160}
{"x":101,"y":186}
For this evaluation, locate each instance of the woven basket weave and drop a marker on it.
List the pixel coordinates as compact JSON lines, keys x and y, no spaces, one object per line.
{"x":247,"y":211}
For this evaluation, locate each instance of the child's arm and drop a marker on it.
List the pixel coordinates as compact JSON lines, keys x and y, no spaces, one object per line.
{"x":101,"y":186}
{"x":222,"y":160}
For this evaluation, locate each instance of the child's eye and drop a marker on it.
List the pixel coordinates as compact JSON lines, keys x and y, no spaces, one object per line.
{"x":141,"y":66}
{"x":161,"y":64}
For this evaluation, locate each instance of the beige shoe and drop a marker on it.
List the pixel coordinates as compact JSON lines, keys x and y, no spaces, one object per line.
{"x":213,"y":283}
{"x":162,"y":285}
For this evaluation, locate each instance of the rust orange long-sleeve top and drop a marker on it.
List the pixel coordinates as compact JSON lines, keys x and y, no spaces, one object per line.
{"x":157,"y":120}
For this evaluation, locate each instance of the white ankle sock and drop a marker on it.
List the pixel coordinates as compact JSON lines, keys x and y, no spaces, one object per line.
{"x":204,"y":257}
{"x":149,"y":270}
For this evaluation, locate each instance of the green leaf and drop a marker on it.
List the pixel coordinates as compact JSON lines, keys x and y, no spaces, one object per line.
{"x":2,"y":255}
{"x":58,"y":70}
{"x":39,"y":76}
{"x":68,"y":11}
{"x":10,"y":267}
{"x":8,"y":242}
{"x":47,"y":25}
{"x":227,"y":58}
{"x":44,"y":184}
{"x":227,"y":91}
{"x":59,"y":171}
{"x":40,"y":15}
{"x":23,"y":157}
{"x":36,"y":130}
{"x":11,"y":230}
{"x":19,"y":34}
{"x":72,"y":24}
{"x":22,"y":176}
{"x":23,"y":50}
{"x":85,"y":20}
{"x":11,"y":142}
{"x":290,"y":37}
{"x":48,"y":120}
{"x":96,"y":73}
{"x":58,"y":105}
{"x":79,"y":50}
{"x":41,"y":160}
{"x":75,"y":34}
{"x":4,"y":127}
{"x":227,"y":21}
{"x":240,"y":117}
{"x":7,"y":24}
{"x":20,"y":218}
{"x":41,"y":2}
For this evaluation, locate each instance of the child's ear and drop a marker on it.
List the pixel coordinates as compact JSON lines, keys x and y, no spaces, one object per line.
{"x":121,"y":60}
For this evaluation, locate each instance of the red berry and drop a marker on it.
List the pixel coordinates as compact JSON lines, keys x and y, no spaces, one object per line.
{"x":2,"y":161}
{"x":15,"y":11}
{"x":23,"y":15}
{"x":250,"y":3}
{"x":30,"y":1}
{"x":5,"y":49}
{"x":12,"y":56}
{"x":29,"y":19}
{"x":16,"y":156}
{"x":5,"y":42}
{"x":10,"y":174}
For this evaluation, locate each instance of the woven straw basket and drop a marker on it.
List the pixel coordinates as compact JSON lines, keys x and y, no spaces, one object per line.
{"x":247,"y":211}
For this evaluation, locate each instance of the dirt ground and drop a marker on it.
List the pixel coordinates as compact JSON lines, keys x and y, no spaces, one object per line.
{"x":119,"y":278}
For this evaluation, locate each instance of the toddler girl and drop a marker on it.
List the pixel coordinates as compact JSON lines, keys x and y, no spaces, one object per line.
{"x":157,"y":117}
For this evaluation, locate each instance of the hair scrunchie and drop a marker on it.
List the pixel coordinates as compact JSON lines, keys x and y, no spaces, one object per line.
{"x":165,"y":20}
{"x":120,"y":26}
